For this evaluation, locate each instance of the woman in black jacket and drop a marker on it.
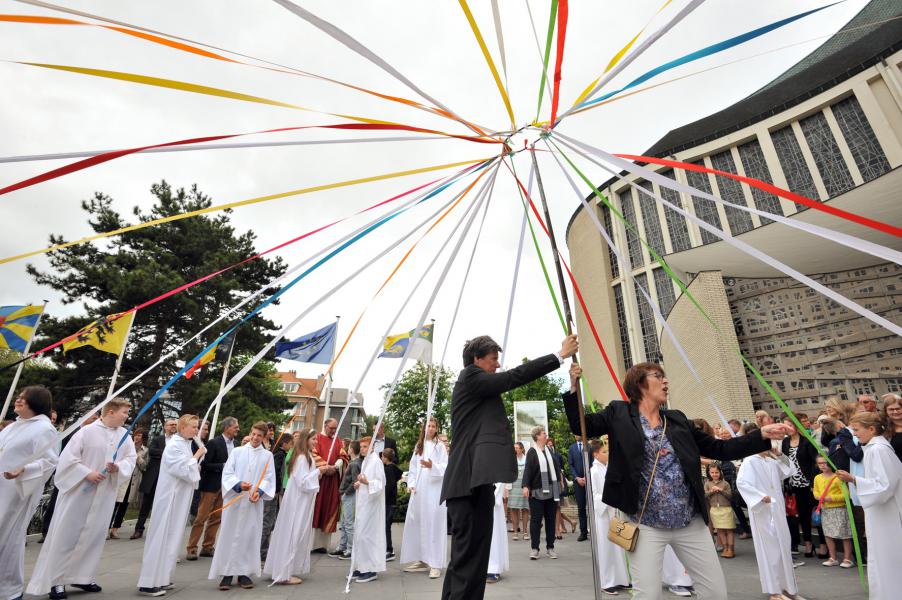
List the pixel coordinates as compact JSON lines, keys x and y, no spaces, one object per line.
{"x":644,"y":437}
{"x":803,"y":454}
{"x":542,"y":478}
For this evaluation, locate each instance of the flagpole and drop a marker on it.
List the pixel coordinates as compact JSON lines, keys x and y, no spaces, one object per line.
{"x":328,"y":390}
{"x":128,"y":333}
{"x":222,"y":382}
{"x":565,"y":300}
{"x":12,"y":388}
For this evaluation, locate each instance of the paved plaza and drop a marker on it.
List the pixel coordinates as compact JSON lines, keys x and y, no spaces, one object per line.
{"x":569,"y":577}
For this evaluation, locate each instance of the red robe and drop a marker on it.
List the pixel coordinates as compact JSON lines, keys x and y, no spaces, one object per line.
{"x":328,"y":503}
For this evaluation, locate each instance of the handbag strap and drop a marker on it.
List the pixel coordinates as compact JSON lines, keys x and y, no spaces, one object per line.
{"x":653,"y":469}
{"x":824,"y":495}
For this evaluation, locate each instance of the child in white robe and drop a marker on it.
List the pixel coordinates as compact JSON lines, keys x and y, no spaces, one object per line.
{"x":499,"y":558}
{"x":292,"y":538}
{"x":880,"y":492}
{"x":425,"y":540}
{"x":27,"y":459}
{"x":179,"y":475}
{"x":368,"y":556}
{"x":87,"y":476}
{"x":612,"y":571}
{"x":674,"y":575}
{"x":760,"y":481}
{"x":247,"y":477}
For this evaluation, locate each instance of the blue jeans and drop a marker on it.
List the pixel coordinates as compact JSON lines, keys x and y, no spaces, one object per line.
{"x":348,"y":506}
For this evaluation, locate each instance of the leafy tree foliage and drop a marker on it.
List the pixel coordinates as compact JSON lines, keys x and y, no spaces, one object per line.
{"x":130,"y":268}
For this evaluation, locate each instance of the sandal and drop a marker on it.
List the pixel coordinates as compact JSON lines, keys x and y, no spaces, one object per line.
{"x":291,"y":581}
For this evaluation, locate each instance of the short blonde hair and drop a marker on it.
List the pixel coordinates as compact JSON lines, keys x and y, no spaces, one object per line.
{"x":114,"y":405}
{"x":185,"y":420}
{"x":835,"y":404}
{"x":868,"y":419}
{"x":536,"y":431}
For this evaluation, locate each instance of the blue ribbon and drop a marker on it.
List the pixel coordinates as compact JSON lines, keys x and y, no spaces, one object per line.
{"x":710,"y":50}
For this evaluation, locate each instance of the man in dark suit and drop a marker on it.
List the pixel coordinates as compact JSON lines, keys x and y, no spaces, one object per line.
{"x":382,"y":441}
{"x":483,"y":455}
{"x":149,"y":481}
{"x":210,"y":486}
{"x":577,"y":469}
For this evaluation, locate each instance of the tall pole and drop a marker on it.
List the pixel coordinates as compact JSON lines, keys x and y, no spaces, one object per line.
{"x":328,"y":393}
{"x":12,"y":388}
{"x":128,"y":333}
{"x":590,"y":508}
{"x":222,"y":382}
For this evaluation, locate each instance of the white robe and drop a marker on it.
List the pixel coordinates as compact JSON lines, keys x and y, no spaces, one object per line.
{"x":611,"y":557}
{"x":672,"y":570}
{"x":20,"y":496}
{"x":759,"y":477}
{"x":238,"y":543}
{"x":179,"y":474}
{"x":83,"y":511}
{"x":499,"y":558}
{"x":292,"y":536}
{"x":368,"y":554}
{"x":426,"y":524}
{"x":880,"y":492}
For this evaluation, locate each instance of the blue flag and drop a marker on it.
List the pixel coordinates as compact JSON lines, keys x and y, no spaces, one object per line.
{"x":316,"y":347}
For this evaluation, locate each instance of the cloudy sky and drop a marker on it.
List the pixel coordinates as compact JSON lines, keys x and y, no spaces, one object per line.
{"x":46,"y":111}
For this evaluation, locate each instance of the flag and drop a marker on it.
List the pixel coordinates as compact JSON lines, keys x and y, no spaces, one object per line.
{"x":394,"y":346}
{"x":17,"y":325}
{"x":105,"y":334}
{"x":220,"y":350}
{"x":316,"y":347}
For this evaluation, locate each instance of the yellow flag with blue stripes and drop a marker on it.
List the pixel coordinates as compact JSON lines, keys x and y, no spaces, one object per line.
{"x":394,"y":346}
{"x":17,"y":325}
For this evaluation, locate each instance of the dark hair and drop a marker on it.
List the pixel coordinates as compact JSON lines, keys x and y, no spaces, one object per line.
{"x":714,"y":465}
{"x":389,"y":454}
{"x":38,"y":399}
{"x":418,"y":449}
{"x":635,"y":379}
{"x":704,"y":426}
{"x":355,"y":447}
{"x":479,"y":347}
{"x":594,"y":446}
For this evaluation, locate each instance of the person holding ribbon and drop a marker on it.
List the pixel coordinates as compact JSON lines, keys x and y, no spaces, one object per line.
{"x":328,"y":452}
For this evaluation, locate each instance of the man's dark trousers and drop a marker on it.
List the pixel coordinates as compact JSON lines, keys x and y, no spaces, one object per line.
{"x":472,"y":518}
{"x":580,"y":492}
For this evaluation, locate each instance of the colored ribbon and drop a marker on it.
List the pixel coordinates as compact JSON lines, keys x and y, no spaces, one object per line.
{"x":488,"y":59}
{"x":247,"y":202}
{"x":562,"y":16}
{"x":552,"y":16}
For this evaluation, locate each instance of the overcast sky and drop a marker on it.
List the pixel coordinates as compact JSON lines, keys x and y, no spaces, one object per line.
{"x":46,"y":111}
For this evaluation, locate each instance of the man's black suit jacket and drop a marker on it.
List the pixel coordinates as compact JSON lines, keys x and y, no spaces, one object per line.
{"x":626,"y":440}
{"x":483,"y":451}
{"x":211,"y":467}
{"x":391,"y":443}
{"x":155,"y":455}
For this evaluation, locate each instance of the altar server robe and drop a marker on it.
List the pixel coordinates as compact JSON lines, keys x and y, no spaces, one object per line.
{"x":368,"y":555}
{"x":19,"y":443}
{"x":673,"y":572}
{"x":759,"y":477}
{"x":292,"y":536}
{"x":179,"y":474}
{"x":499,"y":557}
{"x":238,"y":544}
{"x":83,"y":510}
{"x":611,"y":557}
{"x":426,"y":524}
{"x":880,"y":493}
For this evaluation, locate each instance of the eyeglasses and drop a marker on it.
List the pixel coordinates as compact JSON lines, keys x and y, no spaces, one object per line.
{"x":656,"y":375}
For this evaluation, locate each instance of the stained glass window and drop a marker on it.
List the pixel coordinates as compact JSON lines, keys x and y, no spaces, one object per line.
{"x":648,"y":206}
{"x":612,"y":259}
{"x":860,"y":137}
{"x":676,"y":223}
{"x":664,"y":287}
{"x":622,"y":327}
{"x":731,"y":191}
{"x":632,"y":240}
{"x":755,"y":166}
{"x":705,"y":209}
{"x":830,"y":163}
{"x":647,"y":322}
{"x":795,"y":169}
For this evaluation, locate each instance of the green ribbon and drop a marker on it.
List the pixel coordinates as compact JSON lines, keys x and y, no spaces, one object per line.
{"x":548,"y":38}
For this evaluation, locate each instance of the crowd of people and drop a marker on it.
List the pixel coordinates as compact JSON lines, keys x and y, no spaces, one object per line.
{"x":262,"y":504}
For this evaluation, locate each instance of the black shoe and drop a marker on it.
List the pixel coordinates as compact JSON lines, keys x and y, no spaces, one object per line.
{"x":58,"y":592}
{"x":389,"y":556}
{"x":367,"y":577}
{"x":245,"y":582}
{"x":168,"y":586}
{"x":92,"y":587}
{"x":582,"y":537}
{"x":355,"y":574}
{"x":318,"y":551}
{"x":336,"y":553}
{"x":206,"y":553}
{"x":822,"y":556}
{"x":191,"y":556}
{"x":152,"y":591}
{"x":225,"y":583}
{"x":137,"y":534}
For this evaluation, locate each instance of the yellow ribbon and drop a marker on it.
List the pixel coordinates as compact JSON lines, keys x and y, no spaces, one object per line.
{"x":218,"y":207}
{"x":489,"y":61}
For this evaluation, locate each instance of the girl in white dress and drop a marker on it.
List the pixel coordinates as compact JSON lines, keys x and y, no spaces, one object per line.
{"x":292,"y":537}
{"x":426,"y":525}
{"x":880,"y":493}
{"x":499,"y":557}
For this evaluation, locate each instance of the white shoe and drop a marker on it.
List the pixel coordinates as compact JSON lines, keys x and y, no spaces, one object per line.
{"x":550,"y":553}
{"x":416,"y":567}
{"x":435,"y":573}
{"x":534,"y":554}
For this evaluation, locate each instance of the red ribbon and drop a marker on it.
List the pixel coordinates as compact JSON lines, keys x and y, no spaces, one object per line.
{"x":562,"y":14}
{"x":772,"y":189}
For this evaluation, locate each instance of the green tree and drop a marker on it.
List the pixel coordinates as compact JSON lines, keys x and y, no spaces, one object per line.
{"x":133,"y":267}
{"x":407,"y":409}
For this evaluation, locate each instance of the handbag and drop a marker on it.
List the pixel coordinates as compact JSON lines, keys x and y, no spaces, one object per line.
{"x":792,"y":509}
{"x":816,"y":513}
{"x":624,"y":533}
